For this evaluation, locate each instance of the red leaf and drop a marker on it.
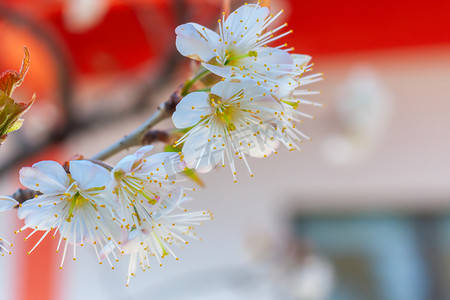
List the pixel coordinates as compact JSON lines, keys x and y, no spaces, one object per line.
{"x":9,"y":80}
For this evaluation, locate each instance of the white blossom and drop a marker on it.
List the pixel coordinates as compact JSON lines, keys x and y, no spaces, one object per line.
{"x":141,"y":181}
{"x":155,"y":236}
{"x":240,"y":49}
{"x":237,"y":118}
{"x":6,"y":203}
{"x":78,"y":204}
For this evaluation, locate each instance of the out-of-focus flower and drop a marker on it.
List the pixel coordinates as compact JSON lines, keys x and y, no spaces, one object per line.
{"x":6,"y":203}
{"x":363,"y":109}
{"x":240,"y":49}
{"x":237,"y":117}
{"x":80,"y":15}
{"x":156,"y":236}
{"x":141,"y":181}
{"x":313,"y":279}
{"x":11,"y":111}
{"x":78,"y":205}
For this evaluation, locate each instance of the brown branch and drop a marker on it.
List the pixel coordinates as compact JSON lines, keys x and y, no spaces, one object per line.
{"x":155,"y":136}
{"x":135,"y":138}
{"x":22,"y":195}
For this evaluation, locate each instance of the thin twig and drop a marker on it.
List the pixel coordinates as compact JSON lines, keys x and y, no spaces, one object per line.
{"x":135,"y":138}
{"x":152,"y":136}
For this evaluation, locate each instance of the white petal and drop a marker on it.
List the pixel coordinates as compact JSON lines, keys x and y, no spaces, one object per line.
{"x":229,"y":88}
{"x":222,"y":71}
{"x":279,"y":61}
{"x":141,"y":152}
{"x":35,"y":215}
{"x":264,"y":146}
{"x":88,"y":174}
{"x":133,"y":241}
{"x":162,"y":164}
{"x":196,"y":41}
{"x":45,"y":176}
{"x":169,"y":204}
{"x":191,"y":109}
{"x":200,"y":154}
{"x":251,"y":16}
{"x":301,"y":60}
{"x":126,"y":163}
{"x":7,"y":203}
{"x":286,"y":87}
{"x":268,"y":55}
{"x":261,"y":97}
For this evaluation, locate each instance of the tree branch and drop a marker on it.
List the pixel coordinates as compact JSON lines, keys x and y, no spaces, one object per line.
{"x":156,"y":136}
{"x":22,"y":195}
{"x":135,"y":138}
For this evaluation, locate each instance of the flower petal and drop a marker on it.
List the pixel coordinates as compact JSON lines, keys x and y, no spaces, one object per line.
{"x":272,"y":63}
{"x":39,"y":212}
{"x":126,"y":164}
{"x":89,"y":175}
{"x":7,"y":203}
{"x":200,"y":154}
{"x":265,"y":146}
{"x":222,"y":71}
{"x":46,"y":177}
{"x":262,"y":99}
{"x":301,"y":60}
{"x":162,"y":164}
{"x":191,"y":109}
{"x":229,"y":88}
{"x":196,"y":41}
{"x":247,"y":19}
{"x":274,"y":56}
{"x":168,"y":204}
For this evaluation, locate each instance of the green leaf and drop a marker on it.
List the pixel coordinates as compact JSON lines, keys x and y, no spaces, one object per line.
{"x":15,"y":126}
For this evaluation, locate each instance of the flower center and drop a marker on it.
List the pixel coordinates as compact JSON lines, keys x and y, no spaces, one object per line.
{"x":232,"y":58}
{"x":225,"y":112}
{"x":76,"y":202}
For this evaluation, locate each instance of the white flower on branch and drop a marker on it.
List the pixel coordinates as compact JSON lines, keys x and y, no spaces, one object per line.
{"x":240,"y":49}
{"x":141,"y":181}
{"x":237,"y":118}
{"x":6,"y":203}
{"x":158,"y":234}
{"x":77,"y":204}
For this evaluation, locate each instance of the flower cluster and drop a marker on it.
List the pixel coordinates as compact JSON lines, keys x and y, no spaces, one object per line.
{"x":123,"y":210}
{"x":253,"y":107}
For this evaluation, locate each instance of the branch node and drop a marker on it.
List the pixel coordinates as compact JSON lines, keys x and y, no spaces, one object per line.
{"x":155,"y":136}
{"x":22,"y":195}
